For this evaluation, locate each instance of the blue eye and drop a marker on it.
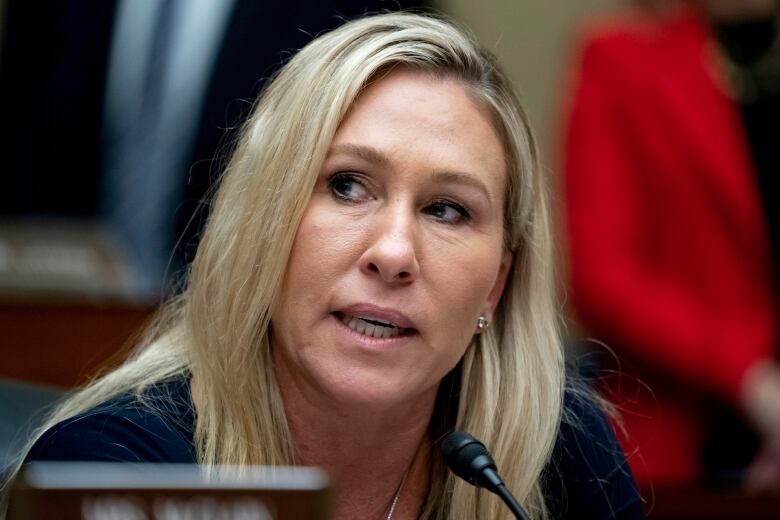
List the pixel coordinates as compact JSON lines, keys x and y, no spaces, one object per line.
{"x":348,"y":188}
{"x":448,"y":212}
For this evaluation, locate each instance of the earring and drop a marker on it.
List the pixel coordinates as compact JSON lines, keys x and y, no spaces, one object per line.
{"x":482,"y":323}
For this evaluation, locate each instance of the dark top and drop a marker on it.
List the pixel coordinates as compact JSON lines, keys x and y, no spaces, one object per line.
{"x":588,"y":476}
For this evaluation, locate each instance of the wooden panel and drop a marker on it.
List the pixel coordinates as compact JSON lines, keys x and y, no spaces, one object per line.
{"x":64,"y":343}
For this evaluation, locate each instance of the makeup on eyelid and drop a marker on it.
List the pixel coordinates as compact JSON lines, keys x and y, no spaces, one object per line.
{"x":462,"y":203}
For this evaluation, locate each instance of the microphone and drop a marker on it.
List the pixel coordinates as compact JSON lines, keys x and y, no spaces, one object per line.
{"x":470,"y":460}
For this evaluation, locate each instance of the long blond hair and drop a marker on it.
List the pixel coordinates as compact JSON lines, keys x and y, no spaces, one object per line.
{"x":508,"y":389}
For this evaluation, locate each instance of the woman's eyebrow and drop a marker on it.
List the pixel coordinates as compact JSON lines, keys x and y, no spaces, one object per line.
{"x":448,"y":177}
{"x":374,"y":156}
{"x":366,"y":153}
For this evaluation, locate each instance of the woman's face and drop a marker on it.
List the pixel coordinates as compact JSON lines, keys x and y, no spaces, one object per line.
{"x":400,"y":248}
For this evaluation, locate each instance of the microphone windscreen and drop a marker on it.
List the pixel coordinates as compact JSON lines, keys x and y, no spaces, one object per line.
{"x":470,"y":460}
{"x":466,"y":456}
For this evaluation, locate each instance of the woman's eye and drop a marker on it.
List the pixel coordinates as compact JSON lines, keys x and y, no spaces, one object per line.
{"x":448,"y":212}
{"x":348,"y":188}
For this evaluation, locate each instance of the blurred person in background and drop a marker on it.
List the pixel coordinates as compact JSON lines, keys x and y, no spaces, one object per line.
{"x":671,"y":165}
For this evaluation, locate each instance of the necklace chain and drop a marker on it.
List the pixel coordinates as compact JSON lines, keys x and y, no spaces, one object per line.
{"x":395,"y":498}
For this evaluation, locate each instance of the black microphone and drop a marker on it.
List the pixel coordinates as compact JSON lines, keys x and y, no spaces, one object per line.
{"x":470,"y":460}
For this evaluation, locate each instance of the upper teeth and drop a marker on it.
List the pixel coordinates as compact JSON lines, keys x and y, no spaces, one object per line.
{"x":362,"y":326}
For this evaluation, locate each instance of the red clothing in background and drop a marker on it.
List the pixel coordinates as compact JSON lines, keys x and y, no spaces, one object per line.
{"x":670,"y":259}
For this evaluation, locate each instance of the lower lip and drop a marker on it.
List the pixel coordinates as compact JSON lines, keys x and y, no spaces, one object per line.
{"x":369,"y":341}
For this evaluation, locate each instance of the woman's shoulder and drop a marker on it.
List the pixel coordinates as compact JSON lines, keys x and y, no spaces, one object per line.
{"x":155,"y":426}
{"x":588,"y":475}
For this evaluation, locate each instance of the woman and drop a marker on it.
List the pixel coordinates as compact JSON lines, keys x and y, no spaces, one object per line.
{"x":376,"y":271}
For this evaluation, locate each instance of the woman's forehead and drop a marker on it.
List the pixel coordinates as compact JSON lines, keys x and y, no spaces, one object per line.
{"x":412,"y":115}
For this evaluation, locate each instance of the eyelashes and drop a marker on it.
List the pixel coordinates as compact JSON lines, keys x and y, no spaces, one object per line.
{"x":348,"y":188}
{"x":352,"y":189}
{"x":447,"y":211}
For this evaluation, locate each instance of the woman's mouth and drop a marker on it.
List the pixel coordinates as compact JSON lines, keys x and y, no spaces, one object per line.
{"x":372,"y":327}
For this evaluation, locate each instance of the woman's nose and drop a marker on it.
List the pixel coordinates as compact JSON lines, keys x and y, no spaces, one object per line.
{"x":392,"y":253}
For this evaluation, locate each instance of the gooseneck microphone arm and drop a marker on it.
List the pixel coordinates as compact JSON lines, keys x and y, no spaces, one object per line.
{"x":470,"y":460}
{"x":511,"y":502}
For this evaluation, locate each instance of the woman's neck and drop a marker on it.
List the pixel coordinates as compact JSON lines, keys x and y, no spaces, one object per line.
{"x":366,"y":452}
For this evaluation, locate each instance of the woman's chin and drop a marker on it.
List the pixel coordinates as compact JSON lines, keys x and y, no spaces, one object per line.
{"x":353,"y":377}
{"x":366,"y":391}
{"x":371,"y":389}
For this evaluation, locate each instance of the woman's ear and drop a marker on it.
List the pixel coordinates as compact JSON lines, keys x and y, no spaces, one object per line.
{"x":498,"y":287}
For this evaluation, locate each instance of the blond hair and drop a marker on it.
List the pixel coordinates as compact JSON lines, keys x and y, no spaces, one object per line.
{"x":509,"y":384}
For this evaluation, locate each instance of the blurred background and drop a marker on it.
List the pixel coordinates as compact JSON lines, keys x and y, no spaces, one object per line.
{"x":656,"y":122}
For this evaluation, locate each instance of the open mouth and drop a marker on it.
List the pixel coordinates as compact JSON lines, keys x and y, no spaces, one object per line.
{"x":372,"y":327}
